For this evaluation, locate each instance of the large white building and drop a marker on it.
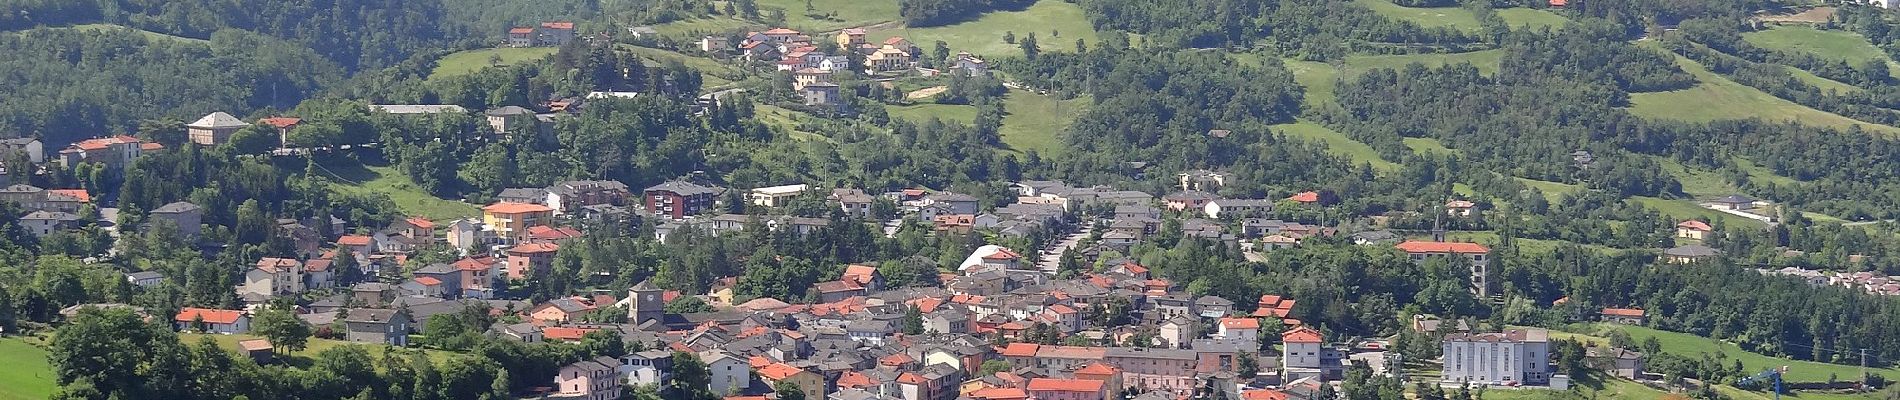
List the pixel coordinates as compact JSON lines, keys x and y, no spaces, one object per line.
{"x":1516,"y":356}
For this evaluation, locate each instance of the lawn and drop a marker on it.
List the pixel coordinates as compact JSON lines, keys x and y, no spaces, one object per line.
{"x":696,"y":27}
{"x":1703,"y":183}
{"x":468,"y":61}
{"x":1830,"y":44}
{"x":1320,"y":78}
{"x":357,"y":178}
{"x":1611,"y":388}
{"x":148,"y":34}
{"x":832,"y":15}
{"x":27,"y":375}
{"x":713,"y":74}
{"x":302,"y":358}
{"x":1337,"y":143}
{"x":920,"y":112}
{"x":1532,"y":18}
{"x":1552,"y":190}
{"x":786,"y":120}
{"x":1718,"y":98}
{"x":1692,"y":346}
{"x":1429,"y":145}
{"x":1036,"y":122}
{"x":1057,"y":24}
{"x":1453,"y":17}
{"x":1688,"y":209}
{"x":1817,"y":81}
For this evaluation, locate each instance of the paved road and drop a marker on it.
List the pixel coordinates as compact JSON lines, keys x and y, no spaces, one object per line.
{"x":1053,"y":259}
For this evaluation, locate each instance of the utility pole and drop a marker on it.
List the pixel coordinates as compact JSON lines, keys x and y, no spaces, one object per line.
{"x":1863,"y":364}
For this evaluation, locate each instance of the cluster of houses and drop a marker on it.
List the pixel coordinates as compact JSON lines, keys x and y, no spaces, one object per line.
{"x":813,"y":69}
{"x":1872,"y":282}
{"x":546,"y":34}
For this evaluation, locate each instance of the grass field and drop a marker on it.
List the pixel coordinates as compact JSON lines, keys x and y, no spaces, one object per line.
{"x":468,"y":61}
{"x":148,"y":34}
{"x":1691,"y":345}
{"x":696,"y":27}
{"x":1688,"y":209}
{"x":1610,"y":388}
{"x":1823,"y":83}
{"x":918,"y":113}
{"x":302,"y":358}
{"x":1337,"y":143}
{"x":713,"y":74}
{"x":1036,"y":122}
{"x":1057,"y":25}
{"x":786,"y":120}
{"x":1531,"y":18}
{"x":832,"y":15}
{"x":1718,"y":98}
{"x":1429,"y":145}
{"x":357,"y":178}
{"x":1452,"y":17}
{"x":1551,"y":190}
{"x":1831,"y":44}
{"x":1320,"y":78}
{"x":27,"y":375}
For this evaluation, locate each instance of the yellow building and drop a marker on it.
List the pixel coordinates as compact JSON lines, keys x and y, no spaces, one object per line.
{"x":809,"y":382}
{"x":510,"y":221}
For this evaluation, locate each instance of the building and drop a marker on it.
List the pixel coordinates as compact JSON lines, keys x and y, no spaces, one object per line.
{"x":1693,"y":229}
{"x":887,"y":58}
{"x":570,"y":196}
{"x":1621,"y":363}
{"x":283,"y":125}
{"x":730,"y":374}
{"x":820,"y":94}
{"x":596,"y":379}
{"x":1733,"y":202}
{"x":1512,"y":357}
{"x":1242,"y":328}
{"x":1190,"y":199}
{"x":554,"y":33}
{"x":1067,"y":389}
{"x":1236,"y":208}
{"x":272,"y":277}
{"x":116,"y":152}
{"x":1690,"y":254}
{"x":1461,"y":208}
{"x":1304,"y":354}
{"x":186,"y":216}
{"x":1626,"y":316}
{"x":678,"y":199}
{"x":714,"y":43}
{"x":373,"y":325}
{"x":851,"y":38}
{"x":34,"y":150}
{"x":528,"y":259}
{"x":42,"y":223}
{"x":1477,"y":254}
{"x":508,"y":118}
{"x":811,"y":383}
{"x":521,"y":36}
{"x":645,"y":305}
{"x":510,"y":221}
{"x":968,"y":65}
{"x":144,"y":278}
{"x":210,"y":320}
{"x":776,"y":196}
{"x":214,"y":129}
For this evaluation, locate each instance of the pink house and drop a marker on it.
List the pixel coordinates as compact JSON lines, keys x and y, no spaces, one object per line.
{"x":589,"y":380}
{"x":1067,"y":389}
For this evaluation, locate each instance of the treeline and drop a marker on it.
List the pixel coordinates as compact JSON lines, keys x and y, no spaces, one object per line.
{"x":65,"y":84}
{"x":923,"y":13}
{"x":1315,"y":29}
{"x":353,"y":34}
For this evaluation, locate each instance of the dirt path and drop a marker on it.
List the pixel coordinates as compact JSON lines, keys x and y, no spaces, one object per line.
{"x":925,"y":92}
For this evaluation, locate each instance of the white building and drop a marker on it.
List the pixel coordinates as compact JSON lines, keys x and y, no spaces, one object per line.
{"x":775,"y":196}
{"x":1516,"y":356}
{"x":730,"y":374}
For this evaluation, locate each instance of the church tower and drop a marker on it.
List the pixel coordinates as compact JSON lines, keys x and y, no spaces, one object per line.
{"x":644,"y":303}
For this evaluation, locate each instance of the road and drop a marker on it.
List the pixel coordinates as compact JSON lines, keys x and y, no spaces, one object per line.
{"x":1052,"y":258}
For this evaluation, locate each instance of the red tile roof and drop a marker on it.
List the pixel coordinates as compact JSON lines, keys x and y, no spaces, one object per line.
{"x":420,"y":222}
{"x":1623,"y":312}
{"x":428,"y":281}
{"x":855,"y":380}
{"x":778,"y":371}
{"x":565,"y":333}
{"x":520,"y":30}
{"x":274,"y":264}
{"x":280,"y":122}
{"x":534,"y":248}
{"x":1301,"y":335}
{"x":1305,"y":197}
{"x":1240,"y":323}
{"x":1020,"y":350}
{"x":1098,"y":369}
{"x":999,"y":394}
{"x":1064,"y":385}
{"x":482,"y":263}
{"x":544,"y":232}
{"x":1002,"y":254}
{"x":1558,"y":3}
{"x":353,"y":240}
{"x":1134,"y":268}
{"x":80,"y":194}
{"x":1443,"y":247}
{"x":896,"y":359}
{"x":515,"y":208}
{"x":1695,"y":225}
{"x":912,"y":378}
{"x":558,"y":25}
{"x":1264,"y":394}
{"x":780,"y":31}
{"x":209,"y":315}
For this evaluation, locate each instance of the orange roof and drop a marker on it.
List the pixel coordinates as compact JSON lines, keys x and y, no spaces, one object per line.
{"x":565,"y":333}
{"x":545,"y":232}
{"x":80,"y":194}
{"x":1134,"y":268}
{"x":1305,"y":197}
{"x":864,"y":272}
{"x":1240,"y":323}
{"x":558,"y":25}
{"x":1265,"y":394}
{"x":1443,"y":247}
{"x":778,"y":371}
{"x":151,"y":146}
{"x":428,"y":281}
{"x":1269,"y":300}
{"x":1062,"y":309}
{"x":1098,"y":369}
{"x":1623,"y":312}
{"x":483,"y":263}
{"x":255,"y":345}
{"x":1064,"y":385}
{"x":520,"y":30}
{"x":209,"y":315}
{"x":1013,"y":326}
{"x":353,"y":240}
{"x":420,"y":222}
{"x":999,"y":394}
{"x":855,"y":380}
{"x":1300,"y":335}
{"x":1002,"y":254}
{"x":1558,"y":3}
{"x":927,"y":304}
{"x":280,"y":122}
{"x":780,"y":31}
{"x":534,"y":248}
{"x":1696,"y":225}
{"x":1020,"y":350}
{"x":911,"y":378}
{"x":515,"y":208}
{"x":758,"y":361}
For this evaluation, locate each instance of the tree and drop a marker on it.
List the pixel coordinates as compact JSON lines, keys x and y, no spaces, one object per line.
{"x":1028,"y":44}
{"x":691,"y":378}
{"x":688,"y":305}
{"x":282,"y":328}
{"x":992,"y":367}
{"x":788,"y":391}
{"x":117,"y":353}
{"x":1249,"y":365}
{"x":913,"y":321}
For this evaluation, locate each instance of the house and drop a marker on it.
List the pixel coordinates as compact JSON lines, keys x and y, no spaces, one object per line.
{"x":1625,"y":316}
{"x":863,"y":275}
{"x":947,"y":321}
{"x":776,"y":196}
{"x":1477,"y":254}
{"x":1618,"y":362}
{"x":210,"y":320}
{"x":523,"y":195}
{"x":42,"y":223}
{"x":283,"y":125}
{"x":820,"y":94}
{"x":1202,"y":180}
{"x":1378,"y":237}
{"x":478,"y":274}
{"x":968,"y":65}
{"x":651,"y":367}
{"x":854,"y":202}
{"x":214,"y":129}
{"x":273,"y":276}
{"x":714,"y":43}
{"x":835,"y":291}
{"x":417,"y":109}
{"x":1190,"y":199}
{"x":562,"y":310}
{"x":810,"y":382}
{"x":521,"y":36}
{"x":781,"y":35}
{"x":570,"y":196}
{"x":850,"y":38}
{"x":360,"y":246}
{"x":869,"y":331}
{"x":554,"y":33}
{"x":1693,"y":229}
{"x":678,"y":199}
{"x":116,"y":152}
{"x":374,"y":325}
{"x":27,"y":197}
{"x":510,"y":221}
{"x":1512,"y":357}
{"x":887,"y":58}
{"x":34,"y":150}
{"x":1308,"y":197}
{"x":1733,"y":202}
{"x":596,"y":379}
{"x":991,"y":256}
{"x":1230,"y":208}
{"x":530,"y":259}
{"x":144,"y":278}
{"x":258,"y":350}
{"x":730,"y":374}
{"x":1238,"y":328}
{"x":508,"y":118}
{"x":443,"y":280}
{"x":1690,"y":254}
{"x":1067,"y":389}
{"x":549,"y":234}
{"x":1304,"y":354}
{"x":186,"y":216}
{"x":1461,"y":208}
